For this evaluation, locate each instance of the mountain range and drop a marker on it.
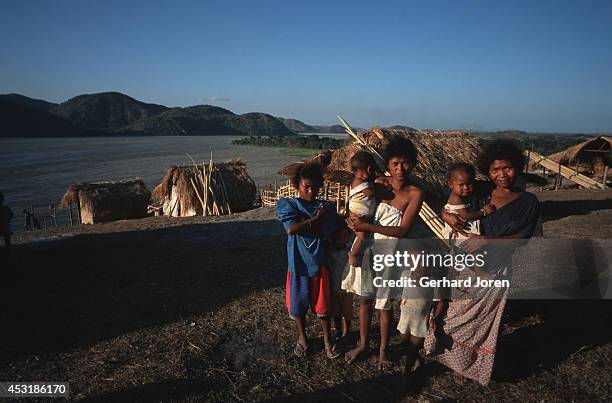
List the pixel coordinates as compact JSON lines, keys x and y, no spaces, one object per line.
{"x":114,"y":113}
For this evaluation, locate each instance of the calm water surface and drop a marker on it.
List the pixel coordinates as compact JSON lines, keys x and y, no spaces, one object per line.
{"x":38,"y":171}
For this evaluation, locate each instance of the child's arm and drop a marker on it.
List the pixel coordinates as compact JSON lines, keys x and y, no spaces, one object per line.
{"x":476,"y":215}
{"x":435,"y":319}
{"x":408,"y":220}
{"x":311,"y":225}
{"x":469,"y":216}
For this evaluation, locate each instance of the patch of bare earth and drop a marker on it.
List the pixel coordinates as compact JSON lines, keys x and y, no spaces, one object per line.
{"x":193,"y":309}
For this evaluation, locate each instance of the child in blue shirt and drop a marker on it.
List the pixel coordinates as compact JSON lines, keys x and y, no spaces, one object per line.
{"x":309,"y":223}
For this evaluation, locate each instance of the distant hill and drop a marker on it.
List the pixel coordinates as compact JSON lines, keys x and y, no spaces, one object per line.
{"x":401,"y":127}
{"x":27,"y":101}
{"x":208,"y":119}
{"x":108,"y":111}
{"x":298,"y":126}
{"x":257,"y":122}
{"x":24,"y":121}
{"x":113,"y":113}
{"x":333,"y":129}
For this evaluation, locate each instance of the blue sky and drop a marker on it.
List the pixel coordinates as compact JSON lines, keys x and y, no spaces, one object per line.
{"x":533,"y":65}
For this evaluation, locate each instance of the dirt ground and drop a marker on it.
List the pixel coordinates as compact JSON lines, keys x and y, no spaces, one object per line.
{"x":193,"y":309}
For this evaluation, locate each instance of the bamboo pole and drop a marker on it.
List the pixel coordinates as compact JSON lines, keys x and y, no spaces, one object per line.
{"x":426,"y":213}
{"x":195,"y":188}
{"x":346,"y":198}
{"x":566,"y":172}
{"x":208,"y":182}
{"x":604,"y":182}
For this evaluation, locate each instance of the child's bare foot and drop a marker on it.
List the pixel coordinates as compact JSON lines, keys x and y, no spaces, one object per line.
{"x":354,"y":354}
{"x":459,"y":379}
{"x":383,"y":361}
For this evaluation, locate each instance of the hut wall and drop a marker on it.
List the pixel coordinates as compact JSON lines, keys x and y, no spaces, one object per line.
{"x":87,"y":216}
{"x":108,"y":201}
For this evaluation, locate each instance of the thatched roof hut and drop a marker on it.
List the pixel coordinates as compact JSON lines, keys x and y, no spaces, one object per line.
{"x":437,"y":151}
{"x":179,"y":198}
{"x":108,"y":201}
{"x":589,"y":157}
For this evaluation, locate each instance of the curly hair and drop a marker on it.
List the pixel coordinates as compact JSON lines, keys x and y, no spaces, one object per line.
{"x":312,"y":171}
{"x":462,"y":167}
{"x":401,"y":147}
{"x":501,"y":149}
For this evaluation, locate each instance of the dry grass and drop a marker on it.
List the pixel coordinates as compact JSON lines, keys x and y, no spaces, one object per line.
{"x":109,"y":200}
{"x":241,"y":187}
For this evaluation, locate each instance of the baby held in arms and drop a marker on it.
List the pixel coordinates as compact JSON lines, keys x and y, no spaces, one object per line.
{"x":462,"y":202}
{"x":362,"y":200}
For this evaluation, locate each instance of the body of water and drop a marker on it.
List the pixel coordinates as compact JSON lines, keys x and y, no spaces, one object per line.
{"x":39,"y":170}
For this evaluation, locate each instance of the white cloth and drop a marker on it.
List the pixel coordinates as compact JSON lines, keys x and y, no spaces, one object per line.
{"x":361,"y":204}
{"x":352,"y":281}
{"x":414,"y":317}
{"x":473,"y":226}
{"x":386,"y":215}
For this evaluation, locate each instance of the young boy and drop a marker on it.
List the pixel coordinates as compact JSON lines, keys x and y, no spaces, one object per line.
{"x":362,"y":202}
{"x":461,"y":201}
{"x":5,"y":224}
{"x":309,"y":223}
{"x":342,"y":301}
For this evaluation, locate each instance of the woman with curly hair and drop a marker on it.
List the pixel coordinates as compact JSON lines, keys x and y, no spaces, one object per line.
{"x":466,"y":337}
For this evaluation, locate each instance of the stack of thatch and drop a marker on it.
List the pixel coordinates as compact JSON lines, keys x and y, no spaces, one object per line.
{"x":437,"y":151}
{"x":323,"y":158}
{"x":206,"y":189}
{"x":108,"y":201}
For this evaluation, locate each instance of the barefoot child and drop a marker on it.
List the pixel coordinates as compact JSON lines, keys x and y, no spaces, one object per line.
{"x":342,"y":301}
{"x":462,"y":203}
{"x":362,"y":202}
{"x":5,"y":224}
{"x":308,"y":223}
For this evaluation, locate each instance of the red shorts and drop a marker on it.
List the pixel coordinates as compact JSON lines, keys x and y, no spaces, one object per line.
{"x":304,"y":291}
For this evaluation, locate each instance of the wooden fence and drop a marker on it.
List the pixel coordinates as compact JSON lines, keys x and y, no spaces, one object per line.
{"x":330,"y":191}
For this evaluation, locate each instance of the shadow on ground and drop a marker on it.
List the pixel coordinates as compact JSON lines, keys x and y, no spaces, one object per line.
{"x":65,"y":294}
{"x":555,"y":209}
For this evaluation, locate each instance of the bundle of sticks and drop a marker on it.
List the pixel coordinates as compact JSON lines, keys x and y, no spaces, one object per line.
{"x":210,"y":188}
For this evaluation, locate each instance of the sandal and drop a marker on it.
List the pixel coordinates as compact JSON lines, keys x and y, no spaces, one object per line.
{"x":332,"y":353}
{"x":300,"y":351}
